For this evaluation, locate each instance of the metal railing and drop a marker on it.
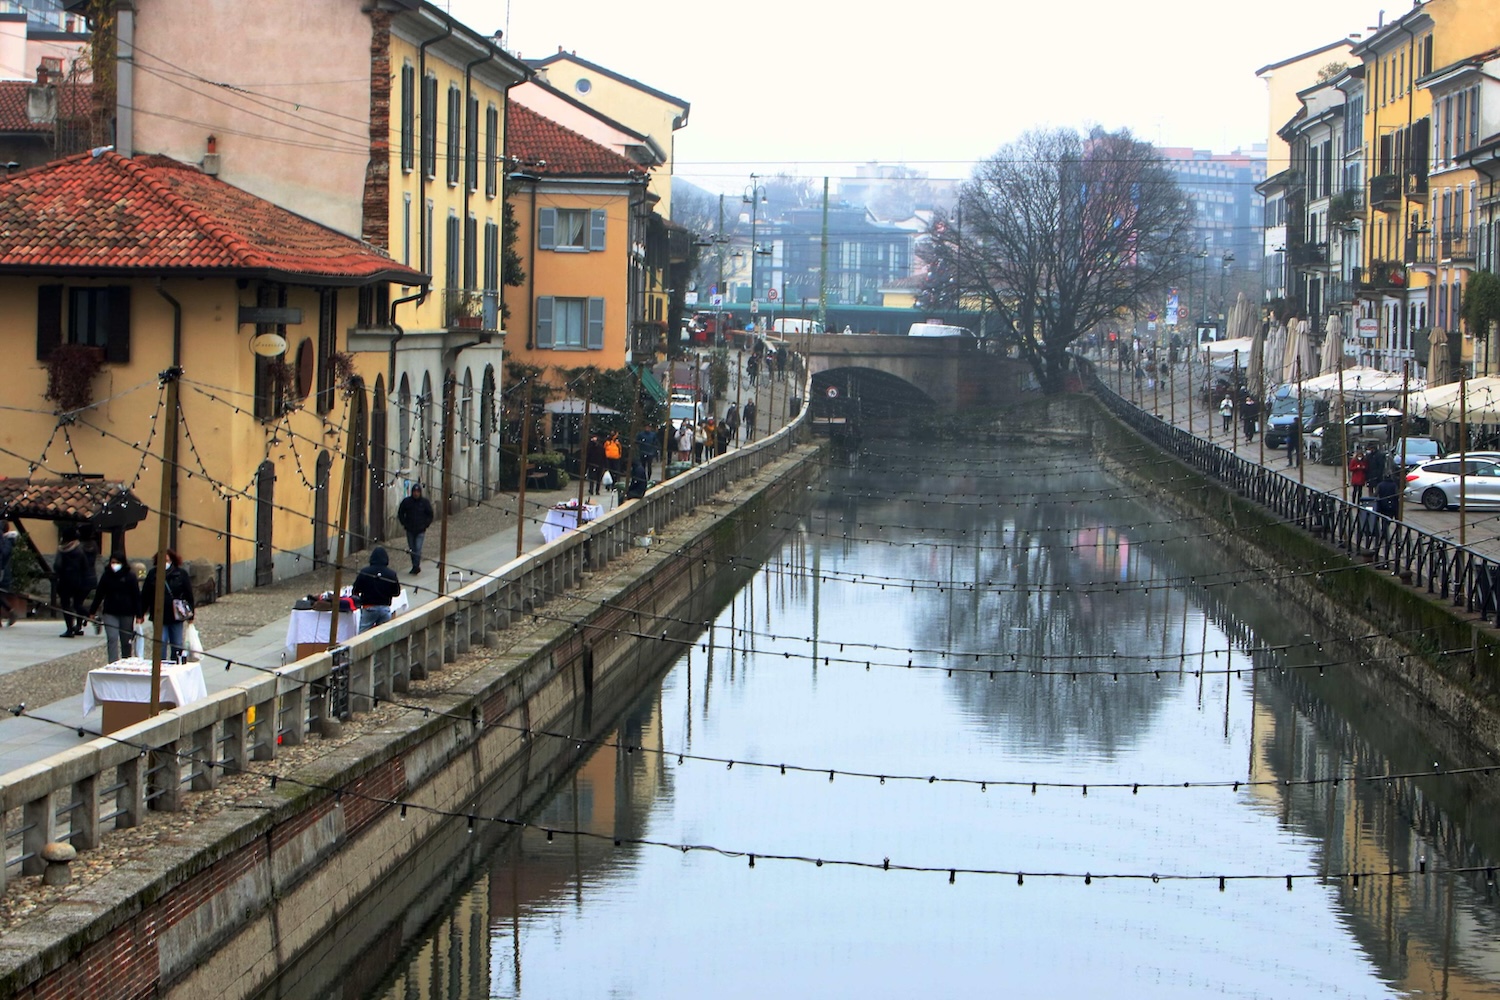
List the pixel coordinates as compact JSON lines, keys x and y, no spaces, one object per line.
{"x":1447,"y":570}
{"x":111,"y":781}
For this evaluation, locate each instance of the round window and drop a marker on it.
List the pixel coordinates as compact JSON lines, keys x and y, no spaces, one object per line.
{"x":583,"y":85}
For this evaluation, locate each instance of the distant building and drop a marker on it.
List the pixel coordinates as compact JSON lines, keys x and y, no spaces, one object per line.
{"x":1226,"y":216}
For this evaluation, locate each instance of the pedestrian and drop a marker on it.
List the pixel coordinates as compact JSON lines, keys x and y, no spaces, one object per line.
{"x":74,"y":572}
{"x":1226,"y":411}
{"x":1375,"y":465}
{"x":685,"y":441}
{"x":177,"y":603}
{"x":594,"y":461}
{"x":1388,"y":496}
{"x":732,"y":424}
{"x":1359,"y":467}
{"x":415,"y":516}
{"x":1250,"y":416}
{"x":752,"y":368}
{"x":375,"y":587}
{"x":1294,"y":442}
{"x":639,"y":478}
{"x":9,"y":539}
{"x":721,"y":436}
{"x":118,"y":597}
{"x":646,"y":449}
{"x":700,"y":439}
{"x":614,"y":452}
{"x":750,"y":420}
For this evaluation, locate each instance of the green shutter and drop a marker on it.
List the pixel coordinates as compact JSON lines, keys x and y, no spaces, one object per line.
{"x":596,"y":325}
{"x":48,"y":320}
{"x":596,"y":229}
{"x":544,"y":322}
{"x":546,"y":228}
{"x":117,"y":325}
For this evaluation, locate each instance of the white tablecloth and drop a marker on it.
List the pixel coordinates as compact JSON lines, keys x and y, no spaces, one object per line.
{"x":399,"y":604}
{"x":559,"y":521}
{"x":130,"y":680}
{"x":312,"y":626}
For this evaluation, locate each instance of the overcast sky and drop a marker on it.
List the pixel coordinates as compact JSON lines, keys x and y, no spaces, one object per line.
{"x":820,"y":85}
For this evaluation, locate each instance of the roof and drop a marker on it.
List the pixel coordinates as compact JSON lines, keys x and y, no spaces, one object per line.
{"x":603,"y":71}
{"x":104,"y":214}
{"x":1341,"y":43}
{"x":75,"y":102}
{"x":548,"y":149}
{"x":82,"y":501}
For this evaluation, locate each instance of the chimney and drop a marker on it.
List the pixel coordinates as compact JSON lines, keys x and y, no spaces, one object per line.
{"x":210,"y":164}
{"x":41,"y":74}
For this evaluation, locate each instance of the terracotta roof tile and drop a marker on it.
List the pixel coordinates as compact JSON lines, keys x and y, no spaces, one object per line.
{"x":94,"y":501}
{"x":75,"y":100}
{"x":108,"y":214}
{"x":534,"y":138}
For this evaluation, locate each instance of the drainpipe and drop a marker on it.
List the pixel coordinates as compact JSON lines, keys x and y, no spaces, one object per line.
{"x":464,"y":173}
{"x":169,"y":444}
{"x":390,"y":365}
{"x":421,"y":154}
{"x":125,"y":78}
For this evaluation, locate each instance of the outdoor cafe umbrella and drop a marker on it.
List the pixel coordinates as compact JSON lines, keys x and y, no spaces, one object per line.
{"x":1257,"y":360}
{"x":1333,"y":344}
{"x":1437,"y":357}
{"x":1440,"y":404}
{"x":1361,"y":384}
{"x":1276,"y":372}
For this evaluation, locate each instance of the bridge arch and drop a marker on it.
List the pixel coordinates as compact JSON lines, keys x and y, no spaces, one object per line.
{"x":875,"y":392}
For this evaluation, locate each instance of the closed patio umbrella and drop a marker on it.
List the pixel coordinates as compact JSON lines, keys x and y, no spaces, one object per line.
{"x":1437,"y":357}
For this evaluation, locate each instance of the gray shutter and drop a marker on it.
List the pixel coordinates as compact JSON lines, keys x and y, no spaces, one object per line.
{"x":596,"y":229}
{"x":48,"y":319}
{"x":117,"y":346}
{"x":544,"y":322}
{"x":546,"y":229}
{"x":596,"y":324}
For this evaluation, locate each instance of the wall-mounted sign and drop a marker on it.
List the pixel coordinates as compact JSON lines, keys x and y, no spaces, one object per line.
{"x":1368,"y":327}
{"x":268,"y":345}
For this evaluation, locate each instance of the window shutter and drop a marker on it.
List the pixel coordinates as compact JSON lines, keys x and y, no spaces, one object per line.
{"x":117,"y":342}
{"x":596,"y":229}
{"x":48,"y":320}
{"x":596,"y":324}
{"x":546,"y":229}
{"x":544,"y":322}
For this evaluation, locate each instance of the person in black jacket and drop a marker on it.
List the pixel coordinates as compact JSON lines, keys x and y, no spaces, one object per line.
{"x":119,"y":596}
{"x":375,"y":587}
{"x":415,"y":515}
{"x":177,"y":600}
{"x":75,"y":578}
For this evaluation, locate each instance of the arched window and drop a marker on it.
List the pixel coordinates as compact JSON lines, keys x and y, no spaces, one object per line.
{"x":403,"y":422}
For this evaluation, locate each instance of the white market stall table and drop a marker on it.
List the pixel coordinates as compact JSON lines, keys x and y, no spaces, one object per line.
{"x":564,"y":518}
{"x":123,"y":688}
{"x":307,"y":630}
{"x":400,"y":604}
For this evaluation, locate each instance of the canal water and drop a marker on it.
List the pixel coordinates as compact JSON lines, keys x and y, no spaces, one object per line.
{"x":999,"y":668}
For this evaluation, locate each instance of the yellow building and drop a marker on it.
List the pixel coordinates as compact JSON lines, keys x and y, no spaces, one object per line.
{"x":584,"y":214}
{"x":114,"y":271}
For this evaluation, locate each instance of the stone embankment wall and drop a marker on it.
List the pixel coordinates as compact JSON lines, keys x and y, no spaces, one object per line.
{"x":234,"y":898}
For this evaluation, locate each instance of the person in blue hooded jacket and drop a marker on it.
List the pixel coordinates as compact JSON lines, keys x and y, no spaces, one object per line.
{"x":375,"y":587}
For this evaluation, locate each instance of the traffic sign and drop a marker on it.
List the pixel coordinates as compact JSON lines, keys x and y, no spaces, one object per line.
{"x":754,"y":306}
{"x":771,"y":295}
{"x":716,"y":299}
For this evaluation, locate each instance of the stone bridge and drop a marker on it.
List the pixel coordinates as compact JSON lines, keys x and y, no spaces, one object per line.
{"x":899,"y":372}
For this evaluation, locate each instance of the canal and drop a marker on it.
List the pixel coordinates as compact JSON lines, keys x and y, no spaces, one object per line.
{"x":1058,"y":712}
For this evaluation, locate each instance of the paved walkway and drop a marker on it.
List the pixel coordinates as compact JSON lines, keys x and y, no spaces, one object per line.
{"x":1481,"y":529}
{"x":49,"y":670}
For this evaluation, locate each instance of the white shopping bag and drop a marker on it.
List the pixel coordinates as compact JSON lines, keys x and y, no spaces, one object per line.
{"x":138,"y":641}
{"x":192,"y":642}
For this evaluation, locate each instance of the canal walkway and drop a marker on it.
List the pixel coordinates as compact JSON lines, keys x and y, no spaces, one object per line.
{"x":245,"y":633}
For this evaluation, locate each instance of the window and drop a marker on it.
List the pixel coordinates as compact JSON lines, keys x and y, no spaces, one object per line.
{"x":408,"y":117}
{"x":272,"y":395}
{"x":570,"y":229}
{"x":96,"y":316}
{"x":429,"y":266}
{"x":491,"y":256}
{"x":569,"y":324}
{"x":471,"y":151}
{"x":406,"y":229}
{"x":328,"y":344}
{"x":451,"y":264}
{"x":471,"y":252}
{"x":491,"y":151}
{"x":429,"y":126}
{"x":455,"y":119}
{"x":374,"y":305}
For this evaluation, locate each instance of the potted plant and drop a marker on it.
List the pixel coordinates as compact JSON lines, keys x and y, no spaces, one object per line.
{"x":71,"y":369}
{"x":470,"y":312}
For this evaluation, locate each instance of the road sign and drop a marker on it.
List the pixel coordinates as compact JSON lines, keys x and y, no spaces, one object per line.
{"x":689,"y":298}
{"x":754,"y":306}
{"x":716,"y":300}
{"x":833,"y":392}
{"x":771,"y":295}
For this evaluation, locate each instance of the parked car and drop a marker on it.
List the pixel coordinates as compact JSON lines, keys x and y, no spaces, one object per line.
{"x":1416,"y":451}
{"x":1438,"y":485}
{"x":1284,"y":411}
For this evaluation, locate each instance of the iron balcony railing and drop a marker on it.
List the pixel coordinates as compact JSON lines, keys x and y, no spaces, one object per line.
{"x":1447,"y":570}
{"x":471,"y":309}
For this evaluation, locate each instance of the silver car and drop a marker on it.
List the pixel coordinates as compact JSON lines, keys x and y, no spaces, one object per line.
{"x":1436,"y":485}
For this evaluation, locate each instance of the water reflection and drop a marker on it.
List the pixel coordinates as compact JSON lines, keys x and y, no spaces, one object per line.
{"x":773,"y":681}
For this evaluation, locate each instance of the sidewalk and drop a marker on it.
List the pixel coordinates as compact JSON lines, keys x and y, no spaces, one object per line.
{"x":48,"y":672}
{"x":1482,"y":528}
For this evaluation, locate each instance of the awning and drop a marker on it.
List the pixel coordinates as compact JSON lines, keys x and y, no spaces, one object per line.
{"x":650,"y":383}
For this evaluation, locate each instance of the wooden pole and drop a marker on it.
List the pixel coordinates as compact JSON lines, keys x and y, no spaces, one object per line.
{"x":583,"y":451}
{"x":525,"y":405}
{"x":1343,"y":433}
{"x":1192,"y":349}
{"x":1463,"y":448}
{"x":1405,"y":405}
{"x":1297,"y":423}
{"x":350,"y":449}
{"x":1236,"y":395}
{"x":450,"y":389}
{"x":164,"y":516}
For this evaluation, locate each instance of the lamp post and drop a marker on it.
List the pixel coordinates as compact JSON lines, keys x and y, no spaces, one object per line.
{"x":755,"y":196}
{"x":1224,"y":263}
{"x":1202,"y":294}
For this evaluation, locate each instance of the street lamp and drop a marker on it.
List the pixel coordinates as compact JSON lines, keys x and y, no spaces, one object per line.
{"x":1224,"y":263}
{"x":755,"y":196}
{"x":1203,"y":293}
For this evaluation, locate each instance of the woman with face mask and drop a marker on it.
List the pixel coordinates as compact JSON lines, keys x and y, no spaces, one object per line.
{"x":119,"y":596}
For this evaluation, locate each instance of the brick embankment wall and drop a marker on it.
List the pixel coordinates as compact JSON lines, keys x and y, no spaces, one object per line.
{"x":227,"y":902}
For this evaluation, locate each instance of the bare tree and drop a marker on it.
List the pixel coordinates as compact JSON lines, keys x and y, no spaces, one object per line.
{"x":1059,"y":232}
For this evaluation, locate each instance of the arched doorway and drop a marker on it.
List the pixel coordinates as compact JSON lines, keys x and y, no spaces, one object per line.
{"x":379,"y":462}
{"x":265,"y":520}
{"x":403,"y":423}
{"x":466,"y":436}
{"x":426,"y":404}
{"x":320,"y":509}
{"x":485,"y":430}
{"x":359,"y":423}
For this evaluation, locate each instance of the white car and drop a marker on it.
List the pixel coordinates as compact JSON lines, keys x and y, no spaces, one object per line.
{"x":1436,"y":484}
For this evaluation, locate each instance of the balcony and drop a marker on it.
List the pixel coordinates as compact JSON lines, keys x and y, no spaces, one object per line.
{"x":1380,"y":276}
{"x":1308,"y":254}
{"x":471,"y":309}
{"x":1458,"y":247}
{"x":1385,"y":192}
